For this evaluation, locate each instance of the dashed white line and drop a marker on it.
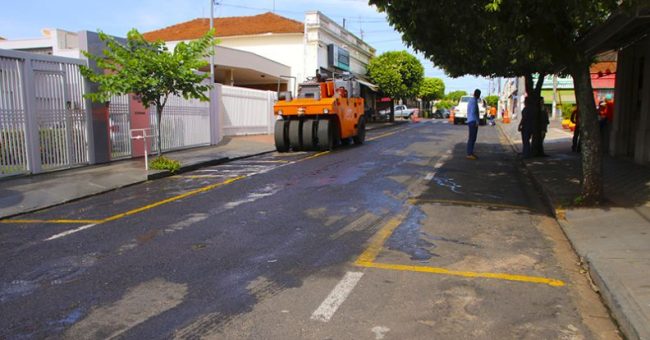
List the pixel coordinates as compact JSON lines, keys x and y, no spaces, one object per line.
{"x":430,"y":175}
{"x":72,"y":231}
{"x":332,"y":302}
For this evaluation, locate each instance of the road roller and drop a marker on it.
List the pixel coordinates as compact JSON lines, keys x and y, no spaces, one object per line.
{"x":324,"y":114}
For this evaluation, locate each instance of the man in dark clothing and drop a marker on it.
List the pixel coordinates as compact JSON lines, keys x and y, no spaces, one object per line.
{"x":526,"y":127}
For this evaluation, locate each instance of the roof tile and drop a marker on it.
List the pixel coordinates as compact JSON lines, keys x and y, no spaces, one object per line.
{"x":227,"y":27}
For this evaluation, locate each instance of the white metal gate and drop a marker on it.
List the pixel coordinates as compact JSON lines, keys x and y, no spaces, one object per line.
{"x":246,"y":111}
{"x":119,"y":116}
{"x":43,"y":117}
{"x":13,"y":145}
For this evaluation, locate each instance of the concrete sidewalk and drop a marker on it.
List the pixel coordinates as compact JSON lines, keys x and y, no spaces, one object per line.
{"x":23,"y":194}
{"x":612,"y":240}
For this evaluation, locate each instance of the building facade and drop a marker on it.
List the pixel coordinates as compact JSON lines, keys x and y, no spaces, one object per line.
{"x":319,"y":44}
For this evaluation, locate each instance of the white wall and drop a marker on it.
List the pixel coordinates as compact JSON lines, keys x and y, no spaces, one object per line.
{"x":285,"y":49}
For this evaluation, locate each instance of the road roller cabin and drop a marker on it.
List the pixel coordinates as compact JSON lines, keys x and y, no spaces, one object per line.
{"x":325,"y":113}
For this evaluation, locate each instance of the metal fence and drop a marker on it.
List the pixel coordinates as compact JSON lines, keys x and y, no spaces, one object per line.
{"x":44,"y":119}
{"x":119,"y":113}
{"x":185,"y":123}
{"x":245,"y":111}
{"x":43,"y":116}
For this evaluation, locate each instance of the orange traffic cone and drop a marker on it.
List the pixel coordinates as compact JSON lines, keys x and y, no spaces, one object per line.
{"x":415,"y":117}
{"x":506,"y":117}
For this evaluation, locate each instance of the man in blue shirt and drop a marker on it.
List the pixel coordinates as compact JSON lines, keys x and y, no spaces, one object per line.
{"x":472,"y":123}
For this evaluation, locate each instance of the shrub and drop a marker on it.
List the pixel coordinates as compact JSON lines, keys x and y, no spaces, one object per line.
{"x":566,"y":109}
{"x":164,"y":163}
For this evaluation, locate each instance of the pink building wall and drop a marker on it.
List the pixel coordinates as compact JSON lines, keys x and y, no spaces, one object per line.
{"x":139,"y":120}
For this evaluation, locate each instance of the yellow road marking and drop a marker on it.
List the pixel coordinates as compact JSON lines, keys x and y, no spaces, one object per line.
{"x":367,"y":259}
{"x":197,"y":176}
{"x":377,"y":242}
{"x":312,"y":156}
{"x":443,"y":271}
{"x":469,"y":203}
{"x":50,"y":221}
{"x":385,"y":134}
{"x":153,"y":205}
{"x":172,"y":199}
{"x":271,"y":161}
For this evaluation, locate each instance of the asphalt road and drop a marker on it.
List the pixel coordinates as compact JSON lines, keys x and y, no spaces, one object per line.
{"x":400,"y":238}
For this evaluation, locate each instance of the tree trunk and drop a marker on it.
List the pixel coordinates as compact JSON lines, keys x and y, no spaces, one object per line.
{"x":534,"y":92}
{"x":391,"y":118}
{"x":592,"y":158}
{"x":159,"y":110}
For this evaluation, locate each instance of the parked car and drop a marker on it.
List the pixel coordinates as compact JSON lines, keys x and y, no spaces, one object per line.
{"x":441,"y":113}
{"x":401,"y":111}
{"x":460,"y":112}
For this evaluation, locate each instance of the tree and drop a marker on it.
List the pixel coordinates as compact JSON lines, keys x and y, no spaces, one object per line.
{"x":446,"y":104}
{"x":492,"y":100}
{"x":455,"y":95}
{"x":511,"y":39}
{"x":398,"y":75}
{"x":150,"y":71}
{"x":431,"y":89}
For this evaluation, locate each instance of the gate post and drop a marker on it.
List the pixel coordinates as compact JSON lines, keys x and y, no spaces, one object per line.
{"x":215,"y":114}
{"x":270,"y":98}
{"x":32,"y":138}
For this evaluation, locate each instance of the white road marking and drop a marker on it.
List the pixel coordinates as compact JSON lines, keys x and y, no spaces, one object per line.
{"x":262,"y":170}
{"x":72,"y":231}
{"x":332,"y":302}
{"x":380,"y":331}
{"x":430,"y":175}
{"x":269,"y":190}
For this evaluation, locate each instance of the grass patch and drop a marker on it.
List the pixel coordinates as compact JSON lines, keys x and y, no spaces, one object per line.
{"x":164,"y":163}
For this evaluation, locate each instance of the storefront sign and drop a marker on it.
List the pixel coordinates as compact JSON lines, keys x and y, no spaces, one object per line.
{"x":338,"y":57}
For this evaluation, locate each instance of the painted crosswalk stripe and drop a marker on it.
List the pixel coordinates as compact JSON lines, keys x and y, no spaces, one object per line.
{"x":332,"y":302}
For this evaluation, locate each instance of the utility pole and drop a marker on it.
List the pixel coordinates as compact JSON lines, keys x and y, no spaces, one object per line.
{"x":554,"y":109}
{"x":212,"y":4}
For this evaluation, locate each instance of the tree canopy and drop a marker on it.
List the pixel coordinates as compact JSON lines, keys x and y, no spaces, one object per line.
{"x":492,"y":100}
{"x":455,"y":95}
{"x":150,"y":71}
{"x":432,"y":89}
{"x":397,"y":73}
{"x":508,"y":39}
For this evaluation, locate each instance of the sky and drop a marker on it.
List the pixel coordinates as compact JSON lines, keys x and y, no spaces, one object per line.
{"x":21,"y":19}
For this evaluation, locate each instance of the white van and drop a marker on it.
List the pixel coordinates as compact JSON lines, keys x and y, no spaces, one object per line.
{"x":460,"y":112}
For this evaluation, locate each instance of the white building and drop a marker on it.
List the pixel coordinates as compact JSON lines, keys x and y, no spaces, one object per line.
{"x":319,"y":44}
{"x":56,"y":42}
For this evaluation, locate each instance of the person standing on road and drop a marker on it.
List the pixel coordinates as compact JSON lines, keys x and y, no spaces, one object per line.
{"x":472,"y":123}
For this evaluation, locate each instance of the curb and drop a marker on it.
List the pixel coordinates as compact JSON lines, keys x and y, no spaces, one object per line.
{"x":153,"y":175}
{"x":611,"y":302}
{"x":158,"y":174}
{"x":546,"y":197}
